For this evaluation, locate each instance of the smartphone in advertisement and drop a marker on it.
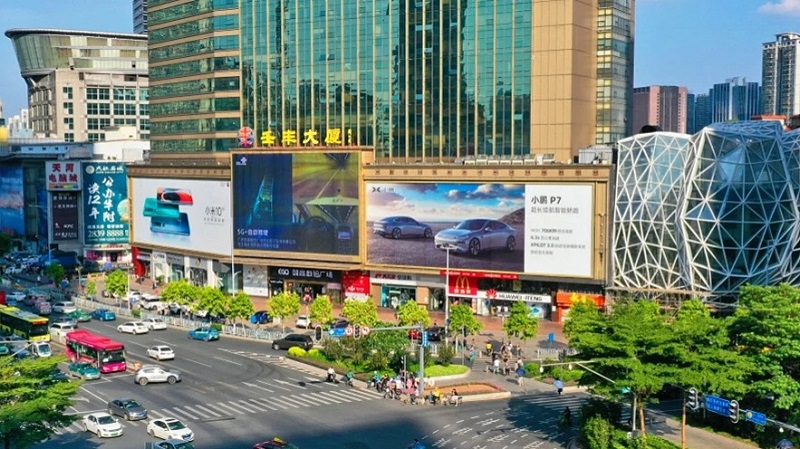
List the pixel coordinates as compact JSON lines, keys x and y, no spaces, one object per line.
{"x":165,"y":225}
{"x":182,"y":197}
{"x":155,"y":208}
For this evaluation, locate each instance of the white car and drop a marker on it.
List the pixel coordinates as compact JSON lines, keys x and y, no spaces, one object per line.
{"x":168,"y":429}
{"x":13,"y":270}
{"x":16,"y":295}
{"x":133,"y":327}
{"x":161,"y":352}
{"x":64,"y":307}
{"x":303,"y":321}
{"x":60,"y":330}
{"x":102,"y":424}
{"x":155,"y":324}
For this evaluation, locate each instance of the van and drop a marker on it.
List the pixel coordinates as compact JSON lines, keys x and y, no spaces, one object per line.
{"x":41,"y":349}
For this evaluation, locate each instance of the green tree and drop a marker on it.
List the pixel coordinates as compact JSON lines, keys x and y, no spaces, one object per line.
{"x":321,"y":310}
{"x":5,"y":243}
{"x":117,"y":283}
{"x":91,"y":288}
{"x":31,"y":404}
{"x":364,"y":313}
{"x":212,"y":300}
{"x":239,"y":306}
{"x":520,"y":323}
{"x":598,"y":433}
{"x":55,"y":271}
{"x":410,"y":313}
{"x":181,"y":293}
{"x":284,"y":305}
{"x":461,"y":317}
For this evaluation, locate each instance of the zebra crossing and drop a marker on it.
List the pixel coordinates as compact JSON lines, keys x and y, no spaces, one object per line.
{"x":273,"y":359}
{"x":557,"y":403}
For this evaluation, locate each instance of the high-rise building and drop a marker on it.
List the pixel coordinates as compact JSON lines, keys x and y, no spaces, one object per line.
{"x":780,"y":75}
{"x":614,"y":99}
{"x":699,"y":115}
{"x":194,"y":75}
{"x":734,"y":100}
{"x":140,"y":16}
{"x":662,"y":106}
{"x":81,"y":82}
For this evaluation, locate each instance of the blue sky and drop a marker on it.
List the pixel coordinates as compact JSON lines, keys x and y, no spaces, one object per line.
{"x":693,"y":43}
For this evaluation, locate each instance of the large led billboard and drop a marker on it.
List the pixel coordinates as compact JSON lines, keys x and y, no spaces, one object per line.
{"x":106,"y":213}
{"x":182,"y":214}
{"x":542,"y":229}
{"x":305,"y":202}
{"x":12,"y":201}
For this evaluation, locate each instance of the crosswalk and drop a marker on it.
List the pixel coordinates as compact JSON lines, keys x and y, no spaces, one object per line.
{"x":272,"y":359}
{"x":555,"y":403}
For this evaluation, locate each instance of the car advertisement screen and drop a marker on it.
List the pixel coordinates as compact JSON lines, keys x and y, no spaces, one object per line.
{"x":183,"y":214}
{"x":12,"y":201}
{"x":296,"y":202}
{"x":543,"y":229}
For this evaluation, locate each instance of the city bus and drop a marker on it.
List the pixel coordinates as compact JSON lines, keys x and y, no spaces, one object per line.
{"x":104,"y":353}
{"x":29,"y":326}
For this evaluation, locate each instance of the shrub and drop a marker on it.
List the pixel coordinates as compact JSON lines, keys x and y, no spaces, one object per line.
{"x":441,"y":370}
{"x":217,"y":326}
{"x":609,"y":410}
{"x":531,"y":370}
{"x":137,"y":313}
{"x":377,"y":361}
{"x":446,"y":354}
{"x":566,"y":375}
{"x":332,"y":349}
{"x":597,"y":433}
{"x":315,"y":353}
{"x":298,"y":352}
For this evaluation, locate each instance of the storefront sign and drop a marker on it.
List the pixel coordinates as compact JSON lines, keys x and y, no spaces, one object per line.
{"x":463,"y":285}
{"x":65,"y":216}
{"x":175,"y":259}
{"x":304,"y":274}
{"x":356,"y":284}
{"x":480,"y":274}
{"x":145,"y":257}
{"x":308,"y":138}
{"x":256,"y":280}
{"x":513,"y":296}
{"x":63,"y":175}
{"x":159,"y":257}
{"x":106,"y":212}
{"x":566,"y":299}
{"x":393,"y":278}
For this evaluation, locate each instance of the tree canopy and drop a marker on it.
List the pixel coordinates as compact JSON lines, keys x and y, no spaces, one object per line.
{"x":284,"y":304}
{"x":212,"y":300}
{"x":520,"y":323}
{"x":239,"y":306}
{"x":117,"y":282}
{"x":461,"y":316}
{"x":364,"y":313}
{"x":55,"y":271}
{"x":181,"y":293}
{"x":321,"y":310}
{"x":410,"y":313}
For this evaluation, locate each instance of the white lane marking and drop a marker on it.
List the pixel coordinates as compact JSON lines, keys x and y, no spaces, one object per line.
{"x":314,"y":399}
{"x":344,"y":395}
{"x":263,"y":403}
{"x":289,"y":383}
{"x":195,"y":361}
{"x":337,"y":398}
{"x":229,"y":361}
{"x":256,"y":405}
{"x":246,"y":407}
{"x":290,"y":402}
{"x":177,"y":413}
{"x":164,"y":342}
{"x":304,"y":402}
{"x":98,"y":397}
{"x":136,"y":344}
{"x":207,"y":410}
{"x":156,"y":413}
{"x":235,"y":410}
{"x":274,"y":386}
{"x":180,"y":410}
{"x":258,"y":386}
{"x":324,"y":400}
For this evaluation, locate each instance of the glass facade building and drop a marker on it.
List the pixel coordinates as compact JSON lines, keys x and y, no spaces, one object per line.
{"x":707,"y":213}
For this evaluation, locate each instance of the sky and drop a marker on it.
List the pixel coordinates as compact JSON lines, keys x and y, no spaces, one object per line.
{"x":693,"y":43}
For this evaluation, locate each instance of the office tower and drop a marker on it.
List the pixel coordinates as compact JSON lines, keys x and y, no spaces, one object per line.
{"x":614,"y":99}
{"x":701,"y":112}
{"x":80,"y":82}
{"x":780,"y":75}
{"x":140,"y":16}
{"x":735,"y":99}
{"x":194,"y":75}
{"x":662,"y":106}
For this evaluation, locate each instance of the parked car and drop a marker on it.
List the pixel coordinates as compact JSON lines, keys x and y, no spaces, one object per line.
{"x":261,"y":317}
{"x":339,"y":323}
{"x":435,"y":333}
{"x":155,"y":324}
{"x":173,"y":444}
{"x":102,"y":424}
{"x":477,"y":235}
{"x":80,"y":315}
{"x":154,"y":373}
{"x":84,"y":370}
{"x":399,"y":227}
{"x":303,"y":321}
{"x":14,"y":269}
{"x":169,"y":429}
{"x":161,"y":352}
{"x":150,"y":302}
{"x":133,"y":327}
{"x":127,"y":408}
{"x":42,"y":308}
{"x":293,"y":340}
{"x":104,"y":315}
{"x":275,"y":443}
{"x":64,"y":307}
{"x":204,"y":333}
{"x":41,"y":349}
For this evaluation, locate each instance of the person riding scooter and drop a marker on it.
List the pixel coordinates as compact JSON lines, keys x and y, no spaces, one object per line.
{"x":331,"y":375}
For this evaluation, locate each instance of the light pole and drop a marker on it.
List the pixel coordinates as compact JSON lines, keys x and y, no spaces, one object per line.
{"x":447,"y":249}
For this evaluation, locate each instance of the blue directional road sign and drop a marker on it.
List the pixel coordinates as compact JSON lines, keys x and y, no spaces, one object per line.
{"x":755,"y":417}
{"x":716,"y":404}
{"x":336,"y":332}
{"x":424,"y":339}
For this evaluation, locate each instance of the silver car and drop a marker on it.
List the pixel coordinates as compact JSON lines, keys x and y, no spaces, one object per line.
{"x":477,"y":235}
{"x":399,"y":227}
{"x":155,"y":373}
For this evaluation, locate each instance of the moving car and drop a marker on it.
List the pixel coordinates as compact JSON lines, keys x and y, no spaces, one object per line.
{"x":64,"y":319}
{"x":104,"y":315}
{"x":133,"y":327}
{"x":399,"y":227}
{"x":155,"y":324}
{"x":303,"y":321}
{"x":60,"y":330}
{"x":204,"y":333}
{"x":16,"y":297}
{"x":127,"y":408}
{"x":41,"y":349}
{"x":477,"y":235}
{"x":154,"y":373}
{"x":64,"y":307}
{"x":173,"y":444}
{"x":275,"y":443}
{"x":102,"y":424}
{"x":293,"y":340}
{"x":161,"y":352}
{"x":150,"y":302}
{"x":169,"y":429}
{"x":84,"y":370}
{"x":80,"y":315}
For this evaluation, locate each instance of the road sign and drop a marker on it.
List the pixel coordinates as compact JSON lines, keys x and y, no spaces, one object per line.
{"x":424,"y":339}
{"x":348,"y":331}
{"x":716,"y":404}
{"x":755,"y":417}
{"x":336,"y":332}
{"x":364,"y":331}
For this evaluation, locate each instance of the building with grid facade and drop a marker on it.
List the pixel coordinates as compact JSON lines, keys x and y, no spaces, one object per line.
{"x":780,"y":75}
{"x":140,"y":16}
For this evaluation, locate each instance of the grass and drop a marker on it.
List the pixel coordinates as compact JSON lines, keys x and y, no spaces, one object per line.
{"x":439,"y":370}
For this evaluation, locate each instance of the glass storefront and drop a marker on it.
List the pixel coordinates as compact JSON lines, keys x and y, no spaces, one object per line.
{"x":393,"y":296}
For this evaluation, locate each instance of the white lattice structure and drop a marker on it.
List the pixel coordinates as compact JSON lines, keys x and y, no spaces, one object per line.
{"x":709,"y":212}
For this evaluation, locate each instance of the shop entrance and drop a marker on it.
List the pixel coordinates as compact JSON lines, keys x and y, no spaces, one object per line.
{"x":308,"y":291}
{"x":393,"y":296}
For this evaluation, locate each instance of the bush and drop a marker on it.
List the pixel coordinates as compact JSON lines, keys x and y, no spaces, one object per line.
{"x":441,"y":370}
{"x":217,"y":326}
{"x":531,"y":370}
{"x":298,"y":352}
{"x":602,"y":408}
{"x":566,"y":375}
{"x":446,"y":354}
{"x":378,"y":361}
{"x":315,"y":353}
{"x":332,"y":349}
{"x":137,"y":313}
{"x":597,"y":433}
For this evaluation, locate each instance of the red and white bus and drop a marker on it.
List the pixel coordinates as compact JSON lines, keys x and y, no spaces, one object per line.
{"x":106,"y":354}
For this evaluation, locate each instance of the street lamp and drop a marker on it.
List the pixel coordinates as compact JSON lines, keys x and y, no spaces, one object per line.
{"x":447,"y":249}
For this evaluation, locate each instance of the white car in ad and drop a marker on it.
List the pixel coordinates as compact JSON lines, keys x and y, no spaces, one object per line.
{"x":161,"y":352}
{"x":155,"y":324}
{"x":133,"y":327}
{"x":102,"y":424}
{"x":169,"y":429}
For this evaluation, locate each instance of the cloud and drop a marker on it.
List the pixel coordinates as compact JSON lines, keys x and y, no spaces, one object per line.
{"x":790,"y":7}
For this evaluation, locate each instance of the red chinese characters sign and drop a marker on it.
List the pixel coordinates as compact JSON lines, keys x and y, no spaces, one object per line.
{"x":355,"y":284}
{"x":63,"y":175}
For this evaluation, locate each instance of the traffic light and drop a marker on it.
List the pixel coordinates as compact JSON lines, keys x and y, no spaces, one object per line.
{"x":692,"y":400}
{"x":318,"y":333}
{"x":356,"y":331}
{"x":734,"y":411}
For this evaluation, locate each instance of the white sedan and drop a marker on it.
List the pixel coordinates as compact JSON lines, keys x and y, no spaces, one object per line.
{"x":64,"y":307}
{"x":161,"y":352}
{"x":102,"y":424}
{"x":169,"y":429}
{"x":133,"y":327}
{"x":155,"y":324}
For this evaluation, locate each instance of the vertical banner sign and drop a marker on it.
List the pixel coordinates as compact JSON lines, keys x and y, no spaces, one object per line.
{"x":106,"y":210}
{"x":63,"y":175}
{"x":65,"y":216}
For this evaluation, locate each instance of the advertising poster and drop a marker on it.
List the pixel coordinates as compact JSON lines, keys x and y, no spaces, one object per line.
{"x":255,"y":281}
{"x":296,"y":202}
{"x":12,"y":201}
{"x":483,"y":227}
{"x":182,"y":214}
{"x":106,"y":210}
{"x":63,"y":175}
{"x":65,"y":216}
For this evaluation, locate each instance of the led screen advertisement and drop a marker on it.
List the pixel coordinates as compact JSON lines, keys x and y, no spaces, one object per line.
{"x":12,"y":201}
{"x":182,"y":214}
{"x":543,"y":229}
{"x":304,"y":202}
{"x":64,"y":216}
{"x":106,"y":210}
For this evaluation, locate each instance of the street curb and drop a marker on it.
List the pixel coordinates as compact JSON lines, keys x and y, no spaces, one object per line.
{"x":448,"y":378}
{"x":486,"y":396}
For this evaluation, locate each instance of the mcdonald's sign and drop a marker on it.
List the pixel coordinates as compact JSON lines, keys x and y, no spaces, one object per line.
{"x":463,"y":285}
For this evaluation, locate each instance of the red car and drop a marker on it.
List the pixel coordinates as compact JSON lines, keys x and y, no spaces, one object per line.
{"x":435,"y":333}
{"x":275,"y":443}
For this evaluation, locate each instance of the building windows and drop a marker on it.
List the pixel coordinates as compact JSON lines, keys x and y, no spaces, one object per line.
{"x":68,"y":108}
{"x":69,"y":137}
{"x":124,"y":109}
{"x":67,"y":91}
{"x":69,"y":123}
{"x":144,"y":109}
{"x":121,"y":94}
{"x":96,"y":137}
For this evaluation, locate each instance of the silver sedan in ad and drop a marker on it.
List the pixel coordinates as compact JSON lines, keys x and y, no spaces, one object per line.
{"x":477,"y":235}
{"x":400,"y":227}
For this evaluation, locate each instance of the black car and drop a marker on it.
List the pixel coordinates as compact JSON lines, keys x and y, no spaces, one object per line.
{"x":293,"y":340}
{"x":127,"y":408}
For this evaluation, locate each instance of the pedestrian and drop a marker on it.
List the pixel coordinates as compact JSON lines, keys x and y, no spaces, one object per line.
{"x":496,"y":365}
{"x":559,"y":384}
{"x":520,"y":373}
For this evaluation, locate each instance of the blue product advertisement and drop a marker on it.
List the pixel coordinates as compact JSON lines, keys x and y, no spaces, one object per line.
{"x":12,"y":201}
{"x":301,"y":202}
{"x":106,"y":212}
{"x":44,"y":216}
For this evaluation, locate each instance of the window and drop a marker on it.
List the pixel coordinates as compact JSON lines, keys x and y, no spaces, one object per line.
{"x":91,"y":93}
{"x":69,"y":137}
{"x":130,"y":109}
{"x":103,"y":94}
{"x":92,"y":108}
{"x":144,"y":109}
{"x":67,"y":91}
{"x":96,"y":137}
{"x":68,"y":108}
{"x":94,"y":123}
{"x":69,"y":123}
{"x":105,"y":109}
{"x":119,"y":109}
